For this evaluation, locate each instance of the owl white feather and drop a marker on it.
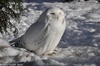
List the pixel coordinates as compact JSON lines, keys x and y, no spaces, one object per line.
{"x":44,"y":35}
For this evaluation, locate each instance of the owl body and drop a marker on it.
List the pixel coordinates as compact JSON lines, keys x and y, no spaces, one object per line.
{"x":44,"y":35}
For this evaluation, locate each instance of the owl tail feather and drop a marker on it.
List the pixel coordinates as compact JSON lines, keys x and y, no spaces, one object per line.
{"x":16,"y":42}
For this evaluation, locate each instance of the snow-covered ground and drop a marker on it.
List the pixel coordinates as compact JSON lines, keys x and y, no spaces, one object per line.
{"x":80,"y":44}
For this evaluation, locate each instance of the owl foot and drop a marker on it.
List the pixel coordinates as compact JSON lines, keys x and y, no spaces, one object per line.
{"x":50,"y":54}
{"x":53,"y":53}
{"x":56,"y":50}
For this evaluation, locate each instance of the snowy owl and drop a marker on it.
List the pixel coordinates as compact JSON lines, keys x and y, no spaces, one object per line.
{"x":44,"y":35}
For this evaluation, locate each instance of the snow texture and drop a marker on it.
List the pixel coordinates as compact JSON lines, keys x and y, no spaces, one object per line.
{"x":80,"y":44}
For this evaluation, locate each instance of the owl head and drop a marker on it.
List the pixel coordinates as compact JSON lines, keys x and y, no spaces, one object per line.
{"x":52,"y":13}
{"x":55,"y":13}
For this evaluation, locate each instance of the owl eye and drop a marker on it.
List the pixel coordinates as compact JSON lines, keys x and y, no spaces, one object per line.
{"x":52,"y":13}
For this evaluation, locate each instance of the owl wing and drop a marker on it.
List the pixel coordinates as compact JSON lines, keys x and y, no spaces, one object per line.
{"x":34,"y":33}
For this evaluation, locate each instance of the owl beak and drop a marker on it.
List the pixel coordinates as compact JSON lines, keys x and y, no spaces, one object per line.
{"x":57,"y":17}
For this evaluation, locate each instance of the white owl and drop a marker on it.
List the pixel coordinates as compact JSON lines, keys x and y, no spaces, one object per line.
{"x":44,"y":35}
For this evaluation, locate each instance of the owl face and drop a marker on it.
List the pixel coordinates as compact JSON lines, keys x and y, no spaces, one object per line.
{"x":55,"y":14}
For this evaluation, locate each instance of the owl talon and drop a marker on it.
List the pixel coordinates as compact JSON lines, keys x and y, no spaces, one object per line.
{"x":53,"y":53}
{"x":56,"y":50}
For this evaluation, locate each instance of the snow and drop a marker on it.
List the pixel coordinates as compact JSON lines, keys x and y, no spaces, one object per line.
{"x":80,"y":44}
